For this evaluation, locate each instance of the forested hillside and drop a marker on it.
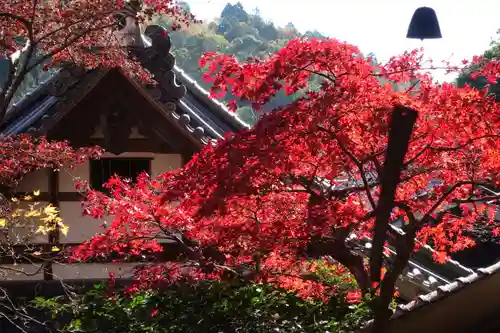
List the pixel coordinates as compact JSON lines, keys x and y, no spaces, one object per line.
{"x":480,"y":82}
{"x":238,"y":32}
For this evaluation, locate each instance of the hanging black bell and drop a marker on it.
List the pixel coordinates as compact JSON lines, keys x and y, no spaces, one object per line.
{"x":424,"y":24}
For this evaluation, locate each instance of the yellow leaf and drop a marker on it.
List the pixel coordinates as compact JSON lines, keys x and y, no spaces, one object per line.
{"x":16,"y":213}
{"x":3,"y":222}
{"x":55,"y":249}
{"x":14,"y":199}
{"x":32,"y":213}
{"x":50,"y":210}
{"x":64,"y":230}
{"x":36,"y":193}
{"x":47,"y":219}
{"x":28,"y":197}
{"x":41,"y":230}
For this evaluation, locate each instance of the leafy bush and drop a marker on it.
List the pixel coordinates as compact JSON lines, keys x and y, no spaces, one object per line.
{"x":206,"y":307}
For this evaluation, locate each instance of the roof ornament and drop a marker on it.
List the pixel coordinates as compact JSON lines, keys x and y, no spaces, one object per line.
{"x":160,"y":40}
{"x":154,"y":55}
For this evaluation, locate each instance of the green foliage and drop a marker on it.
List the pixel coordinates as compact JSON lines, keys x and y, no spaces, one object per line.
{"x":206,"y":307}
{"x":212,"y":306}
{"x":235,"y":11}
{"x":236,"y":32}
{"x":481,"y":82}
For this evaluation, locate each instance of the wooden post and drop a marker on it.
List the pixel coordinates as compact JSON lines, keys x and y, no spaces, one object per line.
{"x":53,"y":178}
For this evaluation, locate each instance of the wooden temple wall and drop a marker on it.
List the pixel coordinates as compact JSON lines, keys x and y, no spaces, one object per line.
{"x":58,"y":188}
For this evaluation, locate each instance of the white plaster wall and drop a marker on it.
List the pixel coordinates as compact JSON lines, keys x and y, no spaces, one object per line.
{"x":92,"y":271}
{"x":165,"y":162}
{"x":11,"y":272}
{"x":67,"y":176}
{"x":83,"y":227}
{"x":80,"y":227}
{"x":36,"y":180}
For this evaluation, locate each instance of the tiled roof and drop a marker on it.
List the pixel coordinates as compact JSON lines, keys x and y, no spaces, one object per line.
{"x":28,"y":114}
{"x":445,"y":290}
{"x":198,"y":115}
{"x":440,"y":293}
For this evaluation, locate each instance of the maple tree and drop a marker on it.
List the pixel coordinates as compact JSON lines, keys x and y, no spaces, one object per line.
{"x":306,"y":181}
{"x":83,"y":32}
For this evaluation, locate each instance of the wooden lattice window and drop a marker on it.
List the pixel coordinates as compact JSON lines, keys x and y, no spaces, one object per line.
{"x":103,"y":169}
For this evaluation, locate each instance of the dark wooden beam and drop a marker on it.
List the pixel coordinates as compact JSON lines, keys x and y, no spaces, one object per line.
{"x":47,"y":197}
{"x":38,"y":253}
{"x":139,"y":145}
{"x":53,"y":235}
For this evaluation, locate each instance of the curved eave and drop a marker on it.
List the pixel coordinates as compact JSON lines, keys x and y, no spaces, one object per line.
{"x":217,"y":109}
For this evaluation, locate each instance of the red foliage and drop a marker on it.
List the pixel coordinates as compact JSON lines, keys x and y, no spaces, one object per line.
{"x":23,"y":154}
{"x":310,"y":170}
{"x":80,"y":31}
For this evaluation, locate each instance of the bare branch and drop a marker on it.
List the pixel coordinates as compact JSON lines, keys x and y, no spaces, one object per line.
{"x":20,"y":271}
{"x":427,"y":215}
{"x":470,"y":141}
{"x":65,"y":27}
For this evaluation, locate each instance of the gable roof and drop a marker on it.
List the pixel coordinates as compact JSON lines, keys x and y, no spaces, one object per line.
{"x":183,"y":101}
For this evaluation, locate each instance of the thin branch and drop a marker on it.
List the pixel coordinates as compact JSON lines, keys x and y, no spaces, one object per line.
{"x":65,"y":45}
{"x":470,"y":141}
{"x":53,"y":32}
{"x":358,"y":164}
{"x":427,"y":215}
{"x":21,"y":271}
{"x":412,"y":86}
{"x":329,"y":78}
{"x":13,"y":323}
{"x":417,"y":155}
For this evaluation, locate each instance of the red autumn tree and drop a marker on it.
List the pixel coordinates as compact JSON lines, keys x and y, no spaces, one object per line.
{"x":83,"y":32}
{"x":306,"y":181}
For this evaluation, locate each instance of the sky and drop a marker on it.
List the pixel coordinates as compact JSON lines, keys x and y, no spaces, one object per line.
{"x":380,"y":27}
